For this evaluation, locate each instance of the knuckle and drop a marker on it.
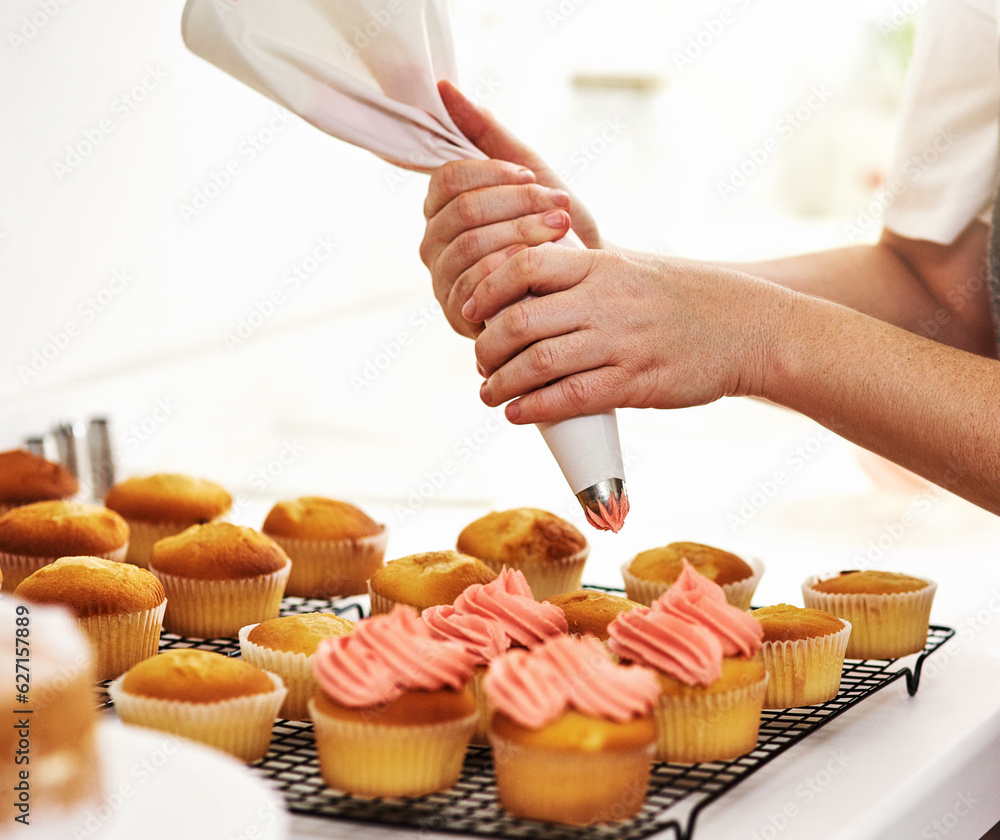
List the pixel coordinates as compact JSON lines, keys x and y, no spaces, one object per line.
{"x":467,"y":208}
{"x":451,"y":178}
{"x":578,"y":391}
{"x":468,"y":246}
{"x":541,"y":358}
{"x":518,"y":320}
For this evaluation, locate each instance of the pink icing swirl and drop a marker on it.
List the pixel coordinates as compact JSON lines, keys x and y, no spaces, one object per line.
{"x":535,"y":687}
{"x":672,"y":645}
{"x":701,"y":601}
{"x":482,"y":637}
{"x":508,"y":601}
{"x":384,"y":657}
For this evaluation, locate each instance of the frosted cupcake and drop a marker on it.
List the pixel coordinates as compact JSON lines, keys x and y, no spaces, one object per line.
{"x":205,"y":696}
{"x":119,"y":607}
{"x":393,"y":713}
{"x":803,"y":654}
{"x":573,"y":734}
{"x":219,"y":577}
{"x":286,"y":646}
{"x":335,"y":547}
{"x":889,"y":612}
{"x":707,"y":654}
{"x":34,"y":535}
{"x":161,"y":505}
{"x":550,"y":551}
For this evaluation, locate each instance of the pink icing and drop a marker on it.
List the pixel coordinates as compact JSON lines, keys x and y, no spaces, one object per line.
{"x":673,"y":645}
{"x":535,"y":687}
{"x":482,"y":637}
{"x":699,"y":600}
{"x":508,"y":601}
{"x":386,"y":656}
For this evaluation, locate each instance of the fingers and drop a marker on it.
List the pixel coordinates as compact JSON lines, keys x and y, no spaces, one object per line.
{"x":458,"y":176}
{"x":480,"y":207}
{"x":589,"y":392}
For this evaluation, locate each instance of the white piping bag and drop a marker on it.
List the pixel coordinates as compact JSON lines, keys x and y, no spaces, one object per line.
{"x":366,"y":72}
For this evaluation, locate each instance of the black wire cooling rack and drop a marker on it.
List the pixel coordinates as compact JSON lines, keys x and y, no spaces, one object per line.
{"x":677,"y":792}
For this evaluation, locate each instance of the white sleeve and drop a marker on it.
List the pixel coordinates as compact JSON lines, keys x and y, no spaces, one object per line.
{"x":943,"y":172}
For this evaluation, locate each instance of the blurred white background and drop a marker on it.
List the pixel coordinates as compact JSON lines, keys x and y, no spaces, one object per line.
{"x":242,"y":295}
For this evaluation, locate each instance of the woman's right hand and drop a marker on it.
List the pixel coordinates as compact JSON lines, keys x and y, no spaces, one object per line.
{"x":480,"y":212}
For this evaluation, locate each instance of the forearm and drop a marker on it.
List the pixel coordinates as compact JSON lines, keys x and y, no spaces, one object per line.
{"x":931,"y":408}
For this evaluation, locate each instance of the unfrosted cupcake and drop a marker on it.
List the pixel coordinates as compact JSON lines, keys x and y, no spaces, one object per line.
{"x":393,"y":714}
{"x":334,"y":546}
{"x":34,"y":535}
{"x":550,"y":551}
{"x":889,"y":612}
{"x":707,"y":654}
{"x":164,"y":504}
{"x":573,"y":734}
{"x":425,"y":580}
{"x":26,"y":478}
{"x":650,"y":573}
{"x":119,"y":607}
{"x":589,"y":612}
{"x":285,"y":646}
{"x":205,"y":696}
{"x":803,"y":653}
{"x":219,"y":577}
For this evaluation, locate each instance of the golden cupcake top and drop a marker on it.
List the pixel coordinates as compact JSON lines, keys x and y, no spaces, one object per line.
{"x":299,"y":633}
{"x":26,"y":477}
{"x":665,"y":564}
{"x":431,"y":578}
{"x":195,"y":676}
{"x":785,"y":623}
{"x":217,"y":551}
{"x":92,"y":586}
{"x":168,"y":497}
{"x":870,"y":582}
{"x":61,"y":528}
{"x":521,"y":535}
{"x":319,"y":518}
{"x":589,"y":612}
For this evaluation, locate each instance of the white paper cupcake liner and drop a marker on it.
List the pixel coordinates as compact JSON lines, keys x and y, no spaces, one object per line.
{"x":295,"y":670}
{"x":328,"y":568}
{"x":120,"y":641}
{"x":739,"y":593}
{"x":883,"y":626}
{"x":709,"y":726}
{"x":240,"y":726}
{"x":380,"y":605}
{"x":804,"y":672}
{"x":548,"y":577}
{"x":372,"y":759}
{"x":16,"y":567}
{"x":209,"y":609}
{"x":142,"y":534}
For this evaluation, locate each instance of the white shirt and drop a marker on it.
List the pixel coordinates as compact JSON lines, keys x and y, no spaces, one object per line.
{"x":944,"y":169}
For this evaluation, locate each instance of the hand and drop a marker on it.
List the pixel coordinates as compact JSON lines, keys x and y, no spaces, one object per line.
{"x":479,"y":212}
{"x":610,"y":330}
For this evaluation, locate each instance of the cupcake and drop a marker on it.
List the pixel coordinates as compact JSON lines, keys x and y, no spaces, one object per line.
{"x":334,"y":546}
{"x":285,"y":646}
{"x":548,"y":550}
{"x":803,"y":653}
{"x":425,"y":580}
{"x":66,"y":783}
{"x":707,"y":655}
{"x":573,"y":734}
{"x":393,"y":714}
{"x":205,"y":696}
{"x":889,"y":612}
{"x":26,"y":478}
{"x":119,"y":607}
{"x":219,"y":577}
{"x":650,"y":573}
{"x":486,"y":620}
{"x":589,"y":612}
{"x":161,"y":505}
{"x":34,"y":535}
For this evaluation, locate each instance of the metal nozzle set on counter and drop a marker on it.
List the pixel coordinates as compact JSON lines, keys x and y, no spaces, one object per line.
{"x":84,"y":449}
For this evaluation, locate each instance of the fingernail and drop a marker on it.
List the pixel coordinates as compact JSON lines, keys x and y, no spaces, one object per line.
{"x":560,"y":197}
{"x":469,"y":310}
{"x":555,"y":219}
{"x":526,"y":176}
{"x":484,"y":392}
{"x":513,"y":412}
